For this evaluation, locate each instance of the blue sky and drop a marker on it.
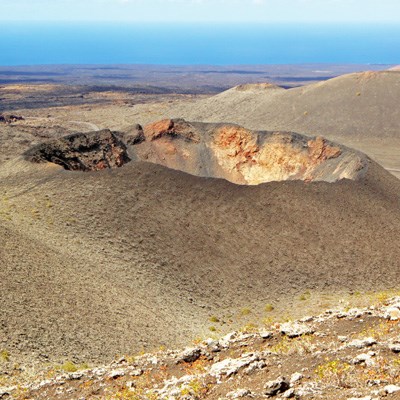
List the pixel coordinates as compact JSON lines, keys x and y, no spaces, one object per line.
{"x":202,"y":10}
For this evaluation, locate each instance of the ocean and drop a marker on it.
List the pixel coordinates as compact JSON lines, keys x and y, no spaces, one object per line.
{"x":27,"y":43}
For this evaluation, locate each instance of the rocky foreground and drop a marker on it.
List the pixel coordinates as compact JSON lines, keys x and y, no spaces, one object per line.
{"x":340,"y":354}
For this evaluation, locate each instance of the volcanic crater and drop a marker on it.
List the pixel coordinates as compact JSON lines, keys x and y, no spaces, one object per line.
{"x":222,"y":150}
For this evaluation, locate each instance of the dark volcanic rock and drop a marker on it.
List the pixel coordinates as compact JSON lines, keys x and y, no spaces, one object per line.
{"x":133,"y":135}
{"x":279,"y":385}
{"x":91,"y":151}
{"x":9,"y":118}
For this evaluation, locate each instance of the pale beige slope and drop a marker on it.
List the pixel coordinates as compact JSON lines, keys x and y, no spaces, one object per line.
{"x":364,"y":104}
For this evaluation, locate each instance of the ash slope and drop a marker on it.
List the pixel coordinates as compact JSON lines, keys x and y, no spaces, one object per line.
{"x":355,"y":105}
{"x":359,"y":110}
{"x":102,"y":263}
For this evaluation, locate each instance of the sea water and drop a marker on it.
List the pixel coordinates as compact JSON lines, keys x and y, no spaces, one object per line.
{"x":27,"y":43}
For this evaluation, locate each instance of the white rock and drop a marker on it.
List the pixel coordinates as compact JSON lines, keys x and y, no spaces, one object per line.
{"x":343,"y":339}
{"x":391,"y":389}
{"x":395,"y":346}
{"x":392,"y":313}
{"x":227,"y":339}
{"x":296,"y":377}
{"x":231,"y":366}
{"x":277,"y":386}
{"x":364,"y":358}
{"x":5,"y":391}
{"x":236,"y":394}
{"x":362,"y":343}
{"x":99,"y":371}
{"x":136,"y":372}
{"x":295,"y":329}
{"x":354,"y":312}
{"x":215,"y":345}
{"x":130,"y":384}
{"x":75,"y":376}
{"x":190,"y":355}
{"x":266,"y":334}
{"x":255,"y":366}
{"x":360,"y":398}
{"x":288,"y":394}
{"x":173,"y":387}
{"x":116,"y":373}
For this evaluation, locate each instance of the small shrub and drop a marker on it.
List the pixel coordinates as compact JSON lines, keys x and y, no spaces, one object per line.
{"x":193,"y":388}
{"x":4,"y":356}
{"x":305,"y":296}
{"x":245,"y":311}
{"x":269,"y":307}
{"x":214,"y":319}
{"x":69,"y":366}
{"x":334,"y":371}
{"x":300,"y":345}
{"x":249,"y":328}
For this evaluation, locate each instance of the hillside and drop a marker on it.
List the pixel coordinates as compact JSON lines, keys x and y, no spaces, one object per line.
{"x":114,"y":261}
{"x":359,"y":110}
{"x":341,"y":354}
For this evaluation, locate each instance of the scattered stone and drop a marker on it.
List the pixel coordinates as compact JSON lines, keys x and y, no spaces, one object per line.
{"x":74,"y":376}
{"x":214,"y":345}
{"x":266,"y":334}
{"x":390,"y":389}
{"x":362,"y":343}
{"x":355,"y":313}
{"x":392,"y":313}
{"x":364,"y":358}
{"x":136,"y":372}
{"x":343,"y":339}
{"x":279,"y":385}
{"x":130,"y":384}
{"x":295,"y":329}
{"x":237,"y":394}
{"x":99,"y":371}
{"x":231,"y":366}
{"x":116,"y":373}
{"x":395,"y":346}
{"x":288,"y":394}
{"x":190,"y":355}
{"x":257,"y":365}
{"x":297,"y":376}
{"x":6,"y":391}
{"x":121,"y":360}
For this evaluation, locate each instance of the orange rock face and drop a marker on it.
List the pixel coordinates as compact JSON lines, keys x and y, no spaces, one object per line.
{"x":279,"y":158}
{"x":237,"y":142}
{"x":321,"y":151}
{"x":158,"y":129}
{"x":171,"y":128}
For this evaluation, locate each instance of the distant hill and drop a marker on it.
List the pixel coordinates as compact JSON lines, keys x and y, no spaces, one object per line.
{"x":360,"y":110}
{"x":360,"y":104}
